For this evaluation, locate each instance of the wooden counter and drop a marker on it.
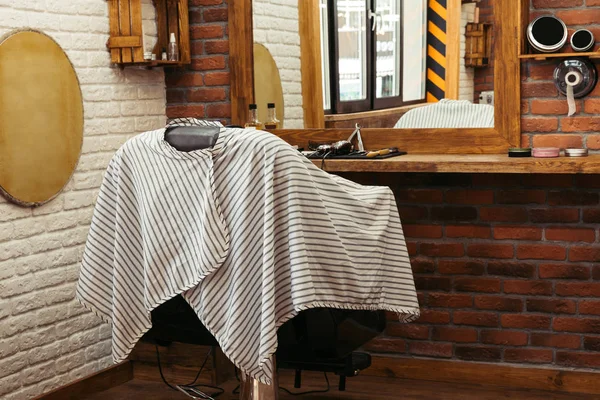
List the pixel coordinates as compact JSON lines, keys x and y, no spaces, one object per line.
{"x":495,"y":163}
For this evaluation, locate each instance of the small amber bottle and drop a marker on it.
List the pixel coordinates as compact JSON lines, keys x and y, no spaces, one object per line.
{"x":272,"y":121}
{"x":253,"y":122}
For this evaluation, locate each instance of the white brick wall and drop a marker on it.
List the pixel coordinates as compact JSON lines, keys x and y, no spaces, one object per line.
{"x":276,"y":27}
{"x":46,"y":338}
{"x":466,"y":86}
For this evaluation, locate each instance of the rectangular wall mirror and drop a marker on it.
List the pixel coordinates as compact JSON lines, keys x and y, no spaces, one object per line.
{"x":395,"y":66}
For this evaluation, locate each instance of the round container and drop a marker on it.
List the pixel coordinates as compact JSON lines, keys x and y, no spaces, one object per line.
{"x":519,"y":152}
{"x":578,"y":71}
{"x":547,"y":34}
{"x":576,"y":152}
{"x":582,"y":40}
{"x":546,"y":152}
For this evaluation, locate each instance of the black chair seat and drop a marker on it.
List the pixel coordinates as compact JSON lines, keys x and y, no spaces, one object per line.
{"x":176,"y":321}
{"x":319,"y":339}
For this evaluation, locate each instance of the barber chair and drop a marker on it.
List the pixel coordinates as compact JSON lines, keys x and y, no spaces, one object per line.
{"x":319,"y":339}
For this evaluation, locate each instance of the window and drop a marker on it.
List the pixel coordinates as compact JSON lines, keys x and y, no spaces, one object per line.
{"x":374,"y":53}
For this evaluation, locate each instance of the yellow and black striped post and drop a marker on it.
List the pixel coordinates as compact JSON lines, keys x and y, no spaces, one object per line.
{"x":436,"y":50}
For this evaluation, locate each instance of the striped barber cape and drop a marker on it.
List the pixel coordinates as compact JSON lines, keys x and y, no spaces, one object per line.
{"x":448,"y":114}
{"x":249,"y":232}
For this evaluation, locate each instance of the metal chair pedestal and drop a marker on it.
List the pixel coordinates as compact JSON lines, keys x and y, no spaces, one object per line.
{"x":252,"y":389}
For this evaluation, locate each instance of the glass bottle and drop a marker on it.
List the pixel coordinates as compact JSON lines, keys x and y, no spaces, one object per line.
{"x":272,"y":121}
{"x":173,"y":49}
{"x":253,"y":122}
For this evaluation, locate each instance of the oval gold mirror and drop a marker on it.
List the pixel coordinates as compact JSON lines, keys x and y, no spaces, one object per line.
{"x":41,"y":123}
{"x":267,"y":83}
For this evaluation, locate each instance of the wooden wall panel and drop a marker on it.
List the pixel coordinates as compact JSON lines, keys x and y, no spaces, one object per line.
{"x":184,"y":32}
{"x":241,"y":59}
{"x":136,"y":30}
{"x":113,"y":17}
{"x":312,"y":78}
{"x":125,"y":29}
{"x":453,"y":60}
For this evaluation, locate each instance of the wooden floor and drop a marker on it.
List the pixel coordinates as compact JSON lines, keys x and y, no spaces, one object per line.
{"x":361,"y":387}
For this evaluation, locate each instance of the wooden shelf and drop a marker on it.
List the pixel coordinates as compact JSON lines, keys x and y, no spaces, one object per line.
{"x":478,"y":37}
{"x":153,"y":64}
{"x":523,"y":44}
{"x":448,"y":163}
{"x":541,"y":57}
{"x":126,"y":43}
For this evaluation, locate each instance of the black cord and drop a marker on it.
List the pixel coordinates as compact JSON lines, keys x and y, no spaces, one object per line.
{"x":309,"y":391}
{"x":220,"y":390}
{"x":201,"y":368}
{"x":236,"y":390}
{"x":323,"y":160}
{"x":192,"y":384}
{"x":160,"y":370}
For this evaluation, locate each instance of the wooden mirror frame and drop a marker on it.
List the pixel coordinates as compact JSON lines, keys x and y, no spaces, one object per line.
{"x":507,"y":91}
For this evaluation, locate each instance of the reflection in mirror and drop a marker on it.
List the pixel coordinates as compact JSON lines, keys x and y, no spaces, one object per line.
{"x":384,"y":63}
{"x":379,"y":54}
{"x":276,"y":28}
{"x":414,"y":48}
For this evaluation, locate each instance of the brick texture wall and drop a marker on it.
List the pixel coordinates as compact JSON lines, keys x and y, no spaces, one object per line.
{"x":202,"y":89}
{"x":46,"y":338}
{"x":506,"y":267}
{"x":545,"y":121}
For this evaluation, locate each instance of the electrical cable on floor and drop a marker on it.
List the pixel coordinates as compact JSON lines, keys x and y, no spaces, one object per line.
{"x":201,"y":367}
{"x":192,"y":384}
{"x":308,"y":391}
{"x":203,"y":385}
{"x":237,"y":391}
{"x":160,"y":370}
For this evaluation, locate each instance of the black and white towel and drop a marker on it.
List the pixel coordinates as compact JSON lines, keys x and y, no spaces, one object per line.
{"x":249,"y":231}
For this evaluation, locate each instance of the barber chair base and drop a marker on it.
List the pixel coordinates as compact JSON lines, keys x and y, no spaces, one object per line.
{"x":252,"y":389}
{"x":348,"y":366}
{"x":319,"y":339}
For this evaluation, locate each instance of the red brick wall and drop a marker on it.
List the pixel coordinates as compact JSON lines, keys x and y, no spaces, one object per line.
{"x":506,"y":267}
{"x":202,"y":88}
{"x":545,"y":122}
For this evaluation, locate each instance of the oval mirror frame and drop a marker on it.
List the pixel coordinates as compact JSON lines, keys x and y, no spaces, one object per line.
{"x":41,"y":129}
{"x":265,"y":70}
